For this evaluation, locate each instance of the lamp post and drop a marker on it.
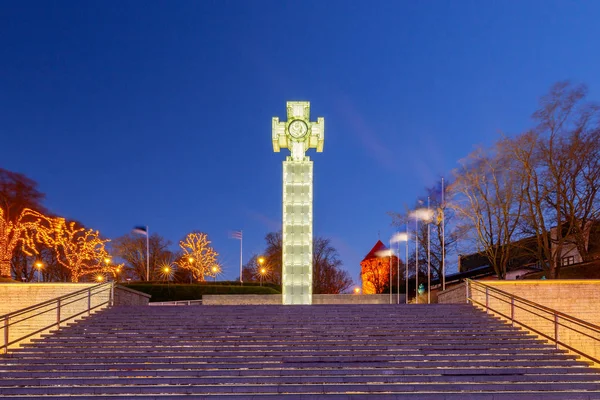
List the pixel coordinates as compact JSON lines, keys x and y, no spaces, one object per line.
{"x":262,"y":273}
{"x":39,"y":265}
{"x":261,"y":270}
{"x":166,"y":271}
{"x":356,"y":290}
{"x":191,"y":261}
{"x":215,"y":270}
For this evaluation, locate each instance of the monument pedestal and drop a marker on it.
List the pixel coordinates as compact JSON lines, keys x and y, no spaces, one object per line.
{"x":297,"y":231}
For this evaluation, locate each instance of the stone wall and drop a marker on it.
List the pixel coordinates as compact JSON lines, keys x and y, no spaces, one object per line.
{"x":129,"y":297}
{"x":19,"y":296}
{"x":454,"y":294}
{"x":256,"y":299}
{"x":577,"y":298}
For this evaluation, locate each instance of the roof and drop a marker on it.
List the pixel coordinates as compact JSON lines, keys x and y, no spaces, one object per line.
{"x":379,"y":246}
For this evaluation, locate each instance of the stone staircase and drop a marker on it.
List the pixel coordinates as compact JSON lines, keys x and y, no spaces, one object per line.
{"x":420,"y":352}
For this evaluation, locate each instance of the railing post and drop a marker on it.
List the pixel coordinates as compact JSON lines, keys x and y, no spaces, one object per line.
{"x":512,"y":310}
{"x":556,"y":329}
{"x":5,"y":347}
{"x":58,"y":313}
{"x":89,"y":300}
{"x":111,"y":295}
{"x":468,"y":289}
{"x":487,"y":300}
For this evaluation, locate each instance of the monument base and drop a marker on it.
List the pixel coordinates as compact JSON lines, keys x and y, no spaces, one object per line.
{"x":297,"y":231}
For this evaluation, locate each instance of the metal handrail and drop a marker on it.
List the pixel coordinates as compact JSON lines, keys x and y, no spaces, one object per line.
{"x":60,"y":302}
{"x":556,"y":315}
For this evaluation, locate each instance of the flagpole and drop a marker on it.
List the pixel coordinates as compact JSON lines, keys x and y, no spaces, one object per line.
{"x":147,"y":254}
{"x":443,"y":239}
{"x":428,"y":257}
{"x":390,"y":265}
{"x":398,"y":273}
{"x":416,"y":258}
{"x":406,"y":266}
{"x":241,"y":240}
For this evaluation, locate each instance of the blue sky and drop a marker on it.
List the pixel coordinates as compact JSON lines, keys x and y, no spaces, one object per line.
{"x":159,"y":112}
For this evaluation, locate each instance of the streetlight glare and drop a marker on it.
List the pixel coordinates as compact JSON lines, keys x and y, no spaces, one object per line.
{"x":107,"y":260}
{"x":191,"y":259}
{"x":39,"y":264}
{"x":357,"y":290}
{"x":99,"y":278}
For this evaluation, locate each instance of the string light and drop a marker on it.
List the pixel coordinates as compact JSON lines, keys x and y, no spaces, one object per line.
{"x":198,"y":256}
{"x":22,"y":230}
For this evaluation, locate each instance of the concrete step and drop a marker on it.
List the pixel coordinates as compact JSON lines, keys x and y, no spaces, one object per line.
{"x":342,"y":388}
{"x":459,"y":395}
{"x":305,"y":352}
{"x":388,"y":370}
{"x":310,"y":379}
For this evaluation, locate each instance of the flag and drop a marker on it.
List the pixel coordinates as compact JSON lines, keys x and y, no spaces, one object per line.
{"x":399,"y":237}
{"x":142,"y":230}
{"x":236,"y":235}
{"x":423,"y":214}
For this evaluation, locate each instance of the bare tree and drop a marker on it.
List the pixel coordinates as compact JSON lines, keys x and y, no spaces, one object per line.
{"x":132,"y":249}
{"x":487,"y":195}
{"x":443,"y":234}
{"x":559,"y":162}
{"x":328,"y":277}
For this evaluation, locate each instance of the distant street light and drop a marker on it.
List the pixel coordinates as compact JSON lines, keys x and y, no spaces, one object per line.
{"x":39,"y":265}
{"x":261,"y":271}
{"x":356,"y":290}
{"x":215,"y":271}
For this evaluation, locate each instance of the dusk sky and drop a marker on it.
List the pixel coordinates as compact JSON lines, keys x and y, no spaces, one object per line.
{"x":159,"y":113}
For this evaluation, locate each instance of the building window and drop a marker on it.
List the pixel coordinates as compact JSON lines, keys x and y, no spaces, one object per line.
{"x":570,"y":260}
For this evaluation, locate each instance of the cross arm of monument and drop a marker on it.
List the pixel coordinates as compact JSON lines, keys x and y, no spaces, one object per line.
{"x":280,"y":140}
{"x":317,"y":137}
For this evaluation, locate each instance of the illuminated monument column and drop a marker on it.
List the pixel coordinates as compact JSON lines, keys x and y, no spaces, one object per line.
{"x":298,"y":135}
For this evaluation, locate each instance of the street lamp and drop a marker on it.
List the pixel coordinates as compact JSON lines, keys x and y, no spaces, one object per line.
{"x":100,"y":278}
{"x":215,"y":270}
{"x":261,"y":271}
{"x":356,"y":290}
{"x":191,"y":260}
{"x":39,"y":265}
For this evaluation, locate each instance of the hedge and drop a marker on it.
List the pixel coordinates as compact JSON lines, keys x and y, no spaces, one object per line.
{"x":175,"y":292}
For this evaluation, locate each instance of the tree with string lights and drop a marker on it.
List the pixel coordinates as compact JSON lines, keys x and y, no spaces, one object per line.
{"x":80,"y":250}
{"x":198,"y":256}
{"x":22,"y":230}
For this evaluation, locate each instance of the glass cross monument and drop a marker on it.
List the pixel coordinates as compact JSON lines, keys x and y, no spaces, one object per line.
{"x":298,"y":135}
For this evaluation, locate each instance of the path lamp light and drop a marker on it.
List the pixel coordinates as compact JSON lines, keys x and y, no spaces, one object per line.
{"x":356,"y":290}
{"x":39,"y":265}
{"x":191,"y":261}
{"x":261,"y":269}
{"x":215,"y":271}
